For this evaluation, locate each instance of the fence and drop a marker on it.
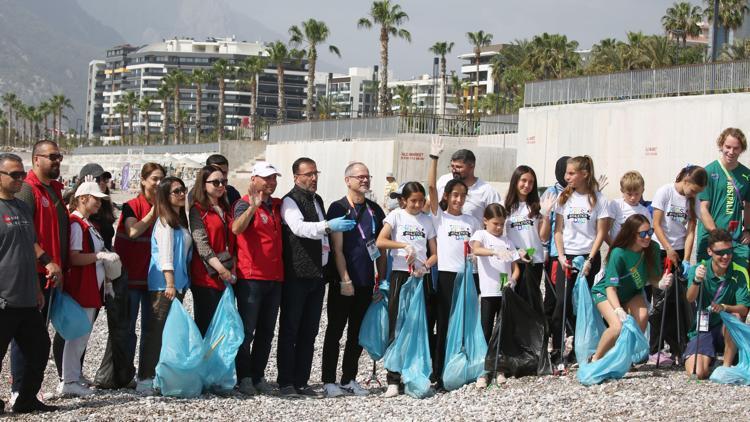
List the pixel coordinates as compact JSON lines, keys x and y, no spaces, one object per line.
{"x":150,"y":149}
{"x":389,"y":127}
{"x":672,"y":81}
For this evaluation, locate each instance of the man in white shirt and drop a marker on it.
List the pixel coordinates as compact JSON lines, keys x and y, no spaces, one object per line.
{"x":306,"y":252}
{"x":480,"y":192}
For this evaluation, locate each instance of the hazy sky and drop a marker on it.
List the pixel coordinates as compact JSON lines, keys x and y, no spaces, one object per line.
{"x":586,"y":21}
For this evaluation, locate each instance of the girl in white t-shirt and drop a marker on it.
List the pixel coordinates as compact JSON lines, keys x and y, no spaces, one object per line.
{"x":581,"y":226}
{"x":454,"y":229}
{"x":528,"y":221}
{"x":496,"y":256}
{"x":410,"y":235}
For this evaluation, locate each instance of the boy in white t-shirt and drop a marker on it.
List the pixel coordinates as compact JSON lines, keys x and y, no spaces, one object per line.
{"x":632,"y":186}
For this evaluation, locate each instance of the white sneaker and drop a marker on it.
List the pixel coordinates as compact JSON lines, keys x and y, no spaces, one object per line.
{"x":13,"y":397}
{"x":392,"y":391}
{"x":354,"y":388}
{"x":145,"y":387}
{"x":500,"y":379}
{"x":74,"y":389}
{"x":246,"y":387}
{"x":332,"y":390}
{"x":482,"y":382}
{"x":264,"y":387}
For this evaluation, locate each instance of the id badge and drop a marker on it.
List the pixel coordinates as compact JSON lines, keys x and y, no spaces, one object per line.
{"x":703,"y":321}
{"x":373,"y":250}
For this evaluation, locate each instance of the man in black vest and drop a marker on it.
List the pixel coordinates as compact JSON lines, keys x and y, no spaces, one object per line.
{"x":306,"y":251}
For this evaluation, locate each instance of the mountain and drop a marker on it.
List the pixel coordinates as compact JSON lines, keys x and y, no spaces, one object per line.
{"x":45,"y":48}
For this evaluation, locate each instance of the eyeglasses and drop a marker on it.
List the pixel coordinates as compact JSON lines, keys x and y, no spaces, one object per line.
{"x":309,"y":174}
{"x":218,"y":182}
{"x":723,"y":252}
{"x":15,"y":175}
{"x":646,"y":233}
{"x":51,"y":157}
{"x":179,"y":191}
{"x":362,"y":178}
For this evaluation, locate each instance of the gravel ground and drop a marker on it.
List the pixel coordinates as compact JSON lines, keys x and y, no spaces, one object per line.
{"x":645,"y":395}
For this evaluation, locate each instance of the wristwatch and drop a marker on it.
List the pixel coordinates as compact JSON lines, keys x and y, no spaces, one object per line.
{"x":328,"y":229}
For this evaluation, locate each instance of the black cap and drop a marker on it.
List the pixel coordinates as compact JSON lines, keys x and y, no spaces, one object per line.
{"x":91,"y":169}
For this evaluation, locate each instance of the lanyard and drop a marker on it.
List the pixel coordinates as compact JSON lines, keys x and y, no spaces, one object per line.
{"x":719,"y":290}
{"x":356,"y":218}
{"x":731,"y":179}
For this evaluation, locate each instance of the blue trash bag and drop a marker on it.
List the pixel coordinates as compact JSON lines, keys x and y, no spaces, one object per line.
{"x":631,"y":347}
{"x":589,"y":322}
{"x":68,"y":317}
{"x":466,"y":347}
{"x":409,"y":353}
{"x":740,"y":373}
{"x":373,"y":334}
{"x":223,"y":338}
{"x":178,"y":373}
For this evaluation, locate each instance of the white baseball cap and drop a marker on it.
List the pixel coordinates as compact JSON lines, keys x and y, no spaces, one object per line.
{"x":264,"y":169}
{"x":90,"y":188}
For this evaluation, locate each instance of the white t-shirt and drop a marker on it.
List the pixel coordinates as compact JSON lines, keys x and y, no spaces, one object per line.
{"x":676,"y":216}
{"x":415,"y":230}
{"x":523,"y":231}
{"x":490,"y":267}
{"x":480,"y":195}
{"x":76,"y":244}
{"x":579,"y":222}
{"x":452,"y":231}
{"x":619,"y":211}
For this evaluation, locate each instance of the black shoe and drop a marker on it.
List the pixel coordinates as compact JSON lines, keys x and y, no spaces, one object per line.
{"x":33,"y":406}
{"x":288,"y":391}
{"x":307,"y":391}
{"x":2,"y":407}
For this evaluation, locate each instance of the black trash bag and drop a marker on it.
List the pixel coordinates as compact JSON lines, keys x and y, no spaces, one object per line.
{"x":676,"y":341}
{"x":518,"y":346}
{"x":117,"y":370}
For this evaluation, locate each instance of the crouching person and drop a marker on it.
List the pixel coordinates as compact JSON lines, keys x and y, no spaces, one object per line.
{"x":716,"y":286}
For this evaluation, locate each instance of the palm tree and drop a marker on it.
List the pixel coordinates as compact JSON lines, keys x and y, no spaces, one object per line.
{"x":606,"y":57}
{"x":312,"y":33}
{"x":199,"y":78}
{"x":442,"y":48}
{"x":144,"y":106}
{"x":390,"y":17}
{"x":164,"y":93}
{"x":553,"y":56}
{"x":59,"y":102}
{"x":478,"y":39}
{"x":45,"y":110}
{"x":251,"y":69}
{"x":131,"y":101}
{"x":176,"y":79}
{"x":459,"y":87}
{"x":221,"y":71}
{"x":634,"y":52}
{"x":403,"y":96}
{"x":681,"y":21}
{"x":738,"y":50}
{"x":10,"y":100}
{"x":182,"y":118}
{"x":731,"y":14}
{"x":120,"y":109}
{"x":326,"y":106}
{"x":279,"y":55}
{"x":3,"y":124}
{"x":659,"y":52}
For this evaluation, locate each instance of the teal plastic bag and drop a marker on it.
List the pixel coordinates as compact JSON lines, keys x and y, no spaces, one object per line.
{"x":466,"y":347}
{"x":409,"y":353}
{"x":223,"y":338}
{"x":631,"y":347}
{"x":740,"y":373}
{"x":373,"y":334}
{"x":68,"y":317}
{"x":178,"y":373}
{"x":589,"y":322}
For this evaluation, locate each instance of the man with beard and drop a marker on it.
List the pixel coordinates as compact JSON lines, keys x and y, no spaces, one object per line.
{"x":480,"y":192}
{"x":43,"y":195}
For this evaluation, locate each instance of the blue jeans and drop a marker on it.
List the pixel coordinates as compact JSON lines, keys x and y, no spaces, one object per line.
{"x":138,"y":299}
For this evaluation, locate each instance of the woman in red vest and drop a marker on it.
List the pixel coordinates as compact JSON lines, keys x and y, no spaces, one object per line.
{"x":213,"y":256}
{"x":133,"y":244}
{"x":86,"y":277}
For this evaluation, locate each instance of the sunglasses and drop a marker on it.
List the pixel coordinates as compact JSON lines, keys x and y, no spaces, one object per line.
{"x":218,"y":182}
{"x":723,"y":252}
{"x":646,"y":233}
{"x":15,"y":175}
{"x":179,"y":191}
{"x":51,"y":157}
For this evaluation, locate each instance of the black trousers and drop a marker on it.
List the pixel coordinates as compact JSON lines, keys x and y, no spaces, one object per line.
{"x":490,"y":308}
{"x":258,"y":303}
{"x":344,"y":311}
{"x":26,"y":327}
{"x":554,"y":273}
{"x":160,"y":307}
{"x":205,"y":301}
{"x":562,"y":292}
{"x":301,"y":307}
{"x":398,"y":279}
{"x":656,"y":296}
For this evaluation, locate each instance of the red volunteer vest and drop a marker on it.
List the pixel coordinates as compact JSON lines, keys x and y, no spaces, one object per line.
{"x":45,"y":220}
{"x":135,"y":254}
{"x":259,"y":247}
{"x":81,"y":283}
{"x":217,"y":238}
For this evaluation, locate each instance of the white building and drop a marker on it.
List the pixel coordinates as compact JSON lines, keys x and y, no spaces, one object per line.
{"x":469,"y":69}
{"x":354,"y":94}
{"x":425,"y":95}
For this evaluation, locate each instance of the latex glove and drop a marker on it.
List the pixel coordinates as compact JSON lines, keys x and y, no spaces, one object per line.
{"x":347,"y":288}
{"x":524,"y":256}
{"x":512,"y":283}
{"x":341,"y":224}
{"x":436,"y":147}
{"x":546,"y":205}
{"x":504,"y":255}
{"x":89,"y":178}
{"x":419,"y":271}
{"x":411,"y":254}
{"x":700,"y":272}
{"x":666,"y":281}
{"x":564,"y":262}
{"x":621,"y":314}
{"x":473,"y":259}
{"x":546,"y":255}
{"x":107,"y":256}
{"x":603,"y":182}
{"x":586,"y":267}
{"x":109,"y":291}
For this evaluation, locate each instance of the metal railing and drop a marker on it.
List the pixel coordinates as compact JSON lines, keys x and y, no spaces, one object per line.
{"x":150,"y":149}
{"x":389,"y":127}
{"x":706,"y":78}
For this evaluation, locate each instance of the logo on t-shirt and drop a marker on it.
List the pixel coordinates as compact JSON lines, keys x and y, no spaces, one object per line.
{"x":458,"y":232}
{"x":579,"y":215}
{"x":45,"y":202}
{"x":746,"y":177}
{"x":264,"y":218}
{"x":521,"y":223}
{"x":677,"y":214}
{"x":413,"y":232}
{"x":14,"y":220}
{"x":637,"y":279}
